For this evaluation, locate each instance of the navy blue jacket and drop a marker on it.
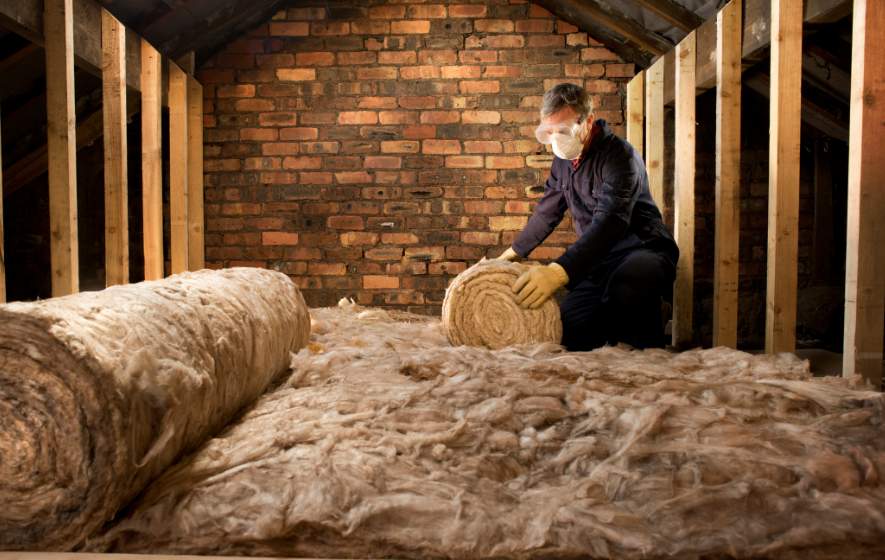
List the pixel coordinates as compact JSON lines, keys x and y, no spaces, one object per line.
{"x":610,"y":203}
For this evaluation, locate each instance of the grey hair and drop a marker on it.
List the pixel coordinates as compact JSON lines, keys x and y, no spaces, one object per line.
{"x":567,"y":95}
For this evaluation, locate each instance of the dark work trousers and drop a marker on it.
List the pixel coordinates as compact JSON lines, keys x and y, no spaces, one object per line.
{"x":620,"y":301}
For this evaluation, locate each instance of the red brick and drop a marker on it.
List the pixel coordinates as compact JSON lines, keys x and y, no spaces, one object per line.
{"x":277,"y":119}
{"x":279,"y":238}
{"x":302,"y":162}
{"x":370,"y":27}
{"x":352,"y":238}
{"x":424,"y":72}
{"x":383,"y":162}
{"x":299,"y":133}
{"x":329,"y":147}
{"x":384,"y":253}
{"x":441,"y":147}
{"x":358,"y":117}
{"x":399,"y":238}
{"x":350,"y":177}
{"x":327,"y":269}
{"x":437,"y":56}
{"x":266,"y":163}
{"x":482,"y":147}
{"x":397,"y":57}
{"x":258,"y":134}
{"x":330,"y":28}
{"x":355,"y":58}
{"x":253,"y":104}
{"x":619,"y":70}
{"x":289,"y":28}
{"x":449,"y":72}
{"x":296,"y":14}
{"x":467,"y":11}
{"x":410,"y":26}
{"x":276,"y":60}
{"x":545,"y":41}
{"x":493,"y":26}
{"x":400,"y":147}
{"x":345,"y":222}
{"x":419,"y":131}
{"x":387,"y":12}
{"x":427,"y":11}
{"x":480,"y":86}
{"x":315,"y":178}
{"x":296,"y":74}
{"x":504,"y":162}
{"x":440,"y":117}
{"x":397,"y":117}
{"x":221,"y":165}
{"x":584,"y":70}
{"x":241,"y":90}
{"x":576,"y":39}
{"x":536,"y":11}
{"x":315,"y":58}
{"x":481,"y":117}
{"x":377,"y":73}
{"x":460,"y":162}
{"x":377,"y":102}
{"x":513,"y":223}
{"x":480,"y":237}
{"x":477,"y":56}
{"x":380,"y":282}
{"x":504,"y":42}
{"x":417,"y":102}
{"x":597,"y":54}
{"x":278,"y":177}
{"x":565,"y":27}
{"x":483,"y":207}
{"x":501,"y":72}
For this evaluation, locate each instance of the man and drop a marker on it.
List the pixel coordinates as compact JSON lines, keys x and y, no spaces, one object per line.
{"x":624,"y":260}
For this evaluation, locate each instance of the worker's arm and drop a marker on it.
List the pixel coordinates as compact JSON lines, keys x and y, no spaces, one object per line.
{"x":616,"y":196}
{"x":547,"y":215}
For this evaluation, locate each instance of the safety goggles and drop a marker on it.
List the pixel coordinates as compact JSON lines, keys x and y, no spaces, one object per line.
{"x":545,"y":132}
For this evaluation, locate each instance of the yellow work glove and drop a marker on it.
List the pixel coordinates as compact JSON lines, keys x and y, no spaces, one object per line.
{"x":507,"y":255}
{"x":538,"y":283}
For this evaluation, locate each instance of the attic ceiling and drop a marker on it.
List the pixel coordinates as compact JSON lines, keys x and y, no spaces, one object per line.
{"x":638,"y":30}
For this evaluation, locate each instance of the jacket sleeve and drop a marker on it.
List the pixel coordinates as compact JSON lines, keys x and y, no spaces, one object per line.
{"x":547,"y":215}
{"x":616,"y":196}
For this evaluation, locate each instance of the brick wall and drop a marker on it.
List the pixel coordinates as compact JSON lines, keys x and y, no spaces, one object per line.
{"x":376,"y":151}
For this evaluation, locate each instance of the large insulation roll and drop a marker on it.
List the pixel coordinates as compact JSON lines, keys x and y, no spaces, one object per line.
{"x":480,"y":310}
{"x":101,"y":391}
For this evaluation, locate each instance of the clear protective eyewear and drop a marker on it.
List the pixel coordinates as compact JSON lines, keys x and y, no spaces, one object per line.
{"x":545,"y":132}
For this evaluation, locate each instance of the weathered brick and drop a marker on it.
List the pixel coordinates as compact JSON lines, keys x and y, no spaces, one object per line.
{"x":482,"y":147}
{"x":299,"y":133}
{"x":410,"y":26}
{"x":480,"y":86}
{"x":239,"y":90}
{"x":481,"y":117}
{"x":377,"y":73}
{"x":315,"y":58}
{"x":279,"y":238}
{"x":296,"y":74}
{"x":258,"y":134}
{"x":459,"y":162}
{"x":399,"y":238}
{"x":504,"y":162}
{"x":480,"y":237}
{"x":253,"y":104}
{"x":467,"y":11}
{"x":371,"y":282}
{"x":400,"y":147}
{"x":358,"y":117}
{"x":419,"y":131}
{"x":397,"y":117}
{"x":441,"y":147}
{"x":499,"y":223}
{"x":289,"y":28}
{"x":356,"y":58}
{"x":356,"y":238}
{"x":383,"y":162}
{"x":387,"y":12}
{"x":323,"y":28}
{"x":423,"y":72}
{"x":327,"y":269}
{"x":345,"y":222}
{"x":493,"y":26}
{"x":449,"y":72}
{"x":619,"y":70}
{"x":440,"y":117}
{"x":437,"y":56}
{"x":302,"y":162}
{"x":351,"y":177}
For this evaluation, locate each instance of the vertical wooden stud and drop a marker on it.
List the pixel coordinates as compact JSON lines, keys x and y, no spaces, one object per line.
{"x":783,"y":175}
{"x":654,"y":130}
{"x":61,"y":143}
{"x":152,"y":160}
{"x":178,"y":175}
{"x":636,"y":111}
{"x":684,"y":185}
{"x":196,"y":244}
{"x":116,"y":199}
{"x":728,"y":174}
{"x":865,"y":251}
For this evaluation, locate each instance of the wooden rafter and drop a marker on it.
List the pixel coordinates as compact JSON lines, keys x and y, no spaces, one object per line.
{"x":673,"y":13}
{"x":152,"y":160}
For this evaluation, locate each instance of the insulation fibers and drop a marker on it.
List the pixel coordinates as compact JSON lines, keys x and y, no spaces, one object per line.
{"x":101,"y":391}
{"x":386,"y":441}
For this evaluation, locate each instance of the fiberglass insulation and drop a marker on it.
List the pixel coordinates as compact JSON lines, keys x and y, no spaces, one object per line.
{"x":101,"y":391}
{"x":387,"y":441}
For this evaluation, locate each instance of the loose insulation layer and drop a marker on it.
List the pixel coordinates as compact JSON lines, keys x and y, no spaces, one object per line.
{"x":386,"y":441}
{"x":101,"y":391}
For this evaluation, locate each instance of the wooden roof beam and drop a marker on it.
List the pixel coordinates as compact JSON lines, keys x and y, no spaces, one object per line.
{"x":673,"y":13}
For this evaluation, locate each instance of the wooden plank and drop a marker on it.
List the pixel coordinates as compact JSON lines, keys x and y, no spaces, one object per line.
{"x":116,"y":184}
{"x":636,"y":111}
{"x":865,"y":254}
{"x":728,"y":175}
{"x":116,"y":556}
{"x":673,"y":13}
{"x":25,"y":17}
{"x":2,"y":253}
{"x":196,"y":244}
{"x":61,"y":146}
{"x":684,"y":185}
{"x":654,"y":130}
{"x":756,"y":36}
{"x":152,"y":160}
{"x":783,"y":175}
{"x":178,"y":174}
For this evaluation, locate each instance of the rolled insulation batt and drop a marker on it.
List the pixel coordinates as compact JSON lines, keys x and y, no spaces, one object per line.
{"x":101,"y":391}
{"x":480,"y":310}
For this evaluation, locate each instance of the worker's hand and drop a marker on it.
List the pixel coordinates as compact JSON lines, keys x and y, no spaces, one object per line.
{"x":538,"y":283}
{"x":507,"y":255}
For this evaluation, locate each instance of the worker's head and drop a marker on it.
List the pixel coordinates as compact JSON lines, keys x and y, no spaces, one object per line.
{"x":566,"y":120}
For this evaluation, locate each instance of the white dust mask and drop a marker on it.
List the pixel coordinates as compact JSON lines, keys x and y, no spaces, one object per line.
{"x":566,"y":146}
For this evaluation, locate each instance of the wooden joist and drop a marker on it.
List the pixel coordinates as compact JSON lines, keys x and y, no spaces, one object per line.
{"x":865,"y":251}
{"x":151,"y":160}
{"x":673,"y":13}
{"x":728,"y":175}
{"x":654,"y":130}
{"x":178,"y":169}
{"x":196,"y":244}
{"x":25,"y":17}
{"x":684,"y":185}
{"x":61,"y":146}
{"x":783,"y":175}
{"x":755,"y":36}
{"x":116,"y":184}
{"x":636,"y":111}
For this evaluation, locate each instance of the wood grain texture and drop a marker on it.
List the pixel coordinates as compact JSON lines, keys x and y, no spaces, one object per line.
{"x":728,"y":175}
{"x":116,"y":168}
{"x":636,"y":111}
{"x":152,"y":160}
{"x":865,"y":255}
{"x":2,"y":253}
{"x":654,"y":130}
{"x":684,"y":185}
{"x":195,"y":216}
{"x":178,"y":173}
{"x":783,"y":175}
{"x":61,"y":146}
